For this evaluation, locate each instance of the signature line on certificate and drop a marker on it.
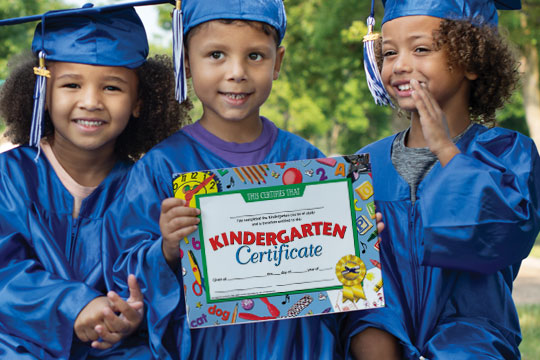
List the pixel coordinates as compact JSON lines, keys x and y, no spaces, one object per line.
{"x":256,"y":287}
{"x":250,"y":277}
{"x":277,"y":212}
{"x":278,"y":274}
{"x":264,"y":287}
{"x":305,"y":282}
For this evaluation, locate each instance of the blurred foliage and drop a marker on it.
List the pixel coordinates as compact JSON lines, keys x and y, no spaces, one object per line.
{"x":15,"y":38}
{"x":327,"y":101}
{"x":321,"y":93}
{"x":529,"y":317}
{"x":535,"y":252}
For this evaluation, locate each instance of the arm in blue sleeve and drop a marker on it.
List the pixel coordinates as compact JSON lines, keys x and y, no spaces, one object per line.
{"x":39,"y":301}
{"x":131,"y":231}
{"x":482,"y":212}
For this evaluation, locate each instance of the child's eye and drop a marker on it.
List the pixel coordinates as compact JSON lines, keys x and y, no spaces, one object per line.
{"x":112,"y":88}
{"x":216,"y":55}
{"x":71,"y":86}
{"x":388,"y":53}
{"x":255,"y":56}
{"x":421,"y":49}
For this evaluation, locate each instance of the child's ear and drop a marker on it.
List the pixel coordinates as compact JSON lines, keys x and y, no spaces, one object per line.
{"x":279,"y":59}
{"x":137,"y":109}
{"x":470,"y":76}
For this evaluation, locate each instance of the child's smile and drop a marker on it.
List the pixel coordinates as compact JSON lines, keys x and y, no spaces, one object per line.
{"x":236,"y":99}
{"x":89,"y":125}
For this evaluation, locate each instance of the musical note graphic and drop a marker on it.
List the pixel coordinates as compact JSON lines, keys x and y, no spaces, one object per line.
{"x":287,"y":299}
{"x":364,"y":247}
{"x":231,"y":183}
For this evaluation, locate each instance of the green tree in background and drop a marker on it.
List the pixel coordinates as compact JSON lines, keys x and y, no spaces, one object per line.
{"x":326,"y":98}
{"x":322,"y":94}
{"x":524,"y":30}
{"x":15,"y":38}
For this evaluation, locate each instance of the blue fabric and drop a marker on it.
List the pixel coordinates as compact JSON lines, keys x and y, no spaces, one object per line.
{"x":51,"y":265}
{"x":108,"y":38}
{"x":483,"y":10}
{"x":134,"y":218}
{"x":271,"y":12}
{"x":449,"y":260}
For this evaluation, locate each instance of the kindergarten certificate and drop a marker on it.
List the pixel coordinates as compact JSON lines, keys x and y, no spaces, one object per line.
{"x":276,"y":240}
{"x":280,"y":240}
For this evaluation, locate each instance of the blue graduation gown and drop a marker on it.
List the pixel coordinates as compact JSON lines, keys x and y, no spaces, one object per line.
{"x":449,"y":260}
{"x":51,"y":265}
{"x":135,"y":218}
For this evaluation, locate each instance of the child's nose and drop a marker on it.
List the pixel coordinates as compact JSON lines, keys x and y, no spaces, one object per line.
{"x":91,"y":99}
{"x":237,"y":70}
{"x":402,"y":64}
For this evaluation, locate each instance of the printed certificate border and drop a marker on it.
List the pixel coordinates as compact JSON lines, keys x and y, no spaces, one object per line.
{"x":369,"y":294}
{"x":270,"y":188}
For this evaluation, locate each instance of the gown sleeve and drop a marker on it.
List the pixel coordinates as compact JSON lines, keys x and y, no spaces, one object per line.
{"x":481,"y":212}
{"x":132,"y":223}
{"x":32,"y":294}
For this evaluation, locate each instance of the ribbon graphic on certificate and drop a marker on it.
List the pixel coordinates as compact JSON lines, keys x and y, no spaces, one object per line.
{"x":280,"y":240}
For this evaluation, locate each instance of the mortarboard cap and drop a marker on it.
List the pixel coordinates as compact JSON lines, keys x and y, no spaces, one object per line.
{"x":111,"y":35}
{"x":109,"y":38}
{"x":271,"y":12}
{"x":106,"y":35}
{"x":483,"y":11}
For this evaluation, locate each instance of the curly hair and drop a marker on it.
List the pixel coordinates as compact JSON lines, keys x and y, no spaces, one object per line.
{"x":160,"y":113}
{"x":480,"y":50}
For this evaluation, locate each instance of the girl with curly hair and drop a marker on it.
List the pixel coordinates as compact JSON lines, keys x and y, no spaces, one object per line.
{"x":105,"y":105}
{"x":459,"y":197}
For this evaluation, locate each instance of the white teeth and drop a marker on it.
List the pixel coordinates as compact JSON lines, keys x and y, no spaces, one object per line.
{"x":236,"y":96}
{"x":89,"y":123}
{"x":404,"y":87}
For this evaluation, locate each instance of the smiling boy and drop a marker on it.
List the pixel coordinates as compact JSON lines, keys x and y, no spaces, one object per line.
{"x":234,"y":54}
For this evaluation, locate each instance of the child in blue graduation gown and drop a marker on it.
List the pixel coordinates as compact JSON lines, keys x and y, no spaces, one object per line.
{"x":233,"y":55}
{"x":459,"y":197}
{"x":105,"y":106}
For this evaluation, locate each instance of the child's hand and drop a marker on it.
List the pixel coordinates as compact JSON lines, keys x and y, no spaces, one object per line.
{"x":380,"y":224}
{"x":434,"y":125}
{"x":90,"y":316}
{"x":122,"y":318}
{"x":176,"y":222}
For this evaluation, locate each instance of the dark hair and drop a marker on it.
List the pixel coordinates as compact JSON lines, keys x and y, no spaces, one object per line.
{"x":264,"y":27}
{"x":480,"y":50}
{"x":160,"y":114}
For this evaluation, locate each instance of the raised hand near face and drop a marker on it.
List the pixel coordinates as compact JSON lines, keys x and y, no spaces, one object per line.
{"x":434,"y":125}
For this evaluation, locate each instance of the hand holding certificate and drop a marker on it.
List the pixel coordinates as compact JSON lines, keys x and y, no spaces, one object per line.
{"x":301,"y":231}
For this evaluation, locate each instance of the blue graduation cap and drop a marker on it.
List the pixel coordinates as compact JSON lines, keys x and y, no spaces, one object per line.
{"x":479,"y":11}
{"x":482,"y":11}
{"x":111,"y":35}
{"x":271,"y":12}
